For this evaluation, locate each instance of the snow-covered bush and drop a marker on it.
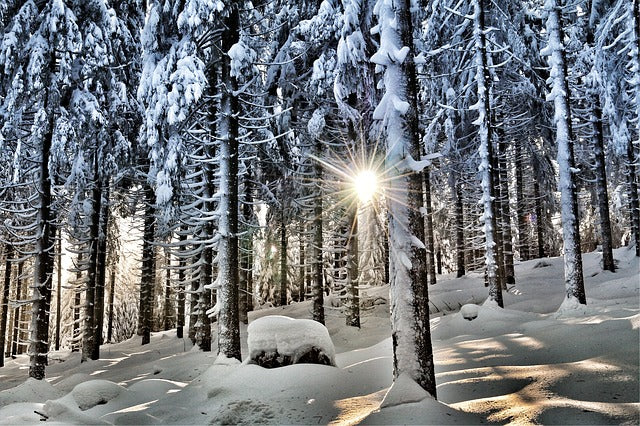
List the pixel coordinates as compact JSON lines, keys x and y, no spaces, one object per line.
{"x":276,"y":341}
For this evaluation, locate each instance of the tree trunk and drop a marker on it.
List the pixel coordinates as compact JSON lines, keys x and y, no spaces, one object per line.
{"x":539,"y":217}
{"x":89,"y":328}
{"x":101,"y":269}
{"x":353,"y":296}
{"x":507,"y":243}
{"x":573,"y":275}
{"x":283,"y":257}
{"x":228,"y":321}
{"x":411,"y":335}
{"x":429,"y":239}
{"x":43,"y":266}
{"x":58,"y":288}
{"x":182,"y":264}
{"x":303,"y":260}
{"x":523,"y":232}
{"x":112,"y":296}
{"x":148,"y":272}
{"x":247,"y":247}
{"x":316,"y":286}
{"x":167,"y":314}
{"x":5,"y":301}
{"x":486,"y":157}
{"x":75,"y":347}
{"x":634,"y":204}
{"x":17,"y":313}
{"x":460,"y":246}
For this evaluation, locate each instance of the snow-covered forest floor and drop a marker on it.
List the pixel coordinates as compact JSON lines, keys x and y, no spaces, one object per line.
{"x":529,"y":363}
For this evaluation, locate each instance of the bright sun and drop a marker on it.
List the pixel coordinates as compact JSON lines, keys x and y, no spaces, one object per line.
{"x":366,"y":185}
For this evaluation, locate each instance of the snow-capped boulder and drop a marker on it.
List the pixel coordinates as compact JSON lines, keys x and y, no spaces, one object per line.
{"x":469,"y":311}
{"x":276,"y":341}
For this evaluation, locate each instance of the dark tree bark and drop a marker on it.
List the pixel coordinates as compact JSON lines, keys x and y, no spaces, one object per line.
{"x":246,"y":289}
{"x":228,"y":321}
{"x":634,"y":204}
{"x":283,"y":257}
{"x":317,"y":286}
{"x":507,"y":243}
{"x":303,"y":266}
{"x":460,"y":245}
{"x":523,"y":232}
{"x":352,"y":281}
{"x":148,"y":273}
{"x":43,"y":266}
{"x":101,"y":269}
{"x":168,"y":311}
{"x":58,"y":288}
{"x":76,"y":307}
{"x":428,"y":230}
{"x":182,"y":264}
{"x":112,"y":296}
{"x":17,"y":313}
{"x":5,"y":301}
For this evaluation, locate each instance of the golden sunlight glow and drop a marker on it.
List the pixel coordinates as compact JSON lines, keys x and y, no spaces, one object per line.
{"x":366,"y":185}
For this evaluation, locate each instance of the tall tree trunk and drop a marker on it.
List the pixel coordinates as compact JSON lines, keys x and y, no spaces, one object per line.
{"x":58,"y":288}
{"x":245,"y":254}
{"x":539,"y":219}
{"x":168,"y":311}
{"x":486,"y":156}
{"x":523,"y":232}
{"x":634,"y":204}
{"x":101,"y":269}
{"x":316,"y":285}
{"x":460,"y":246}
{"x":148,"y":273}
{"x":75,"y":347}
{"x":303,"y":266}
{"x":352,"y":281}
{"x":112,"y":296}
{"x":17,"y":313}
{"x":411,"y":335}
{"x":573,"y":275}
{"x":5,"y":301}
{"x":228,"y":321}
{"x":509,"y":272}
{"x":429,"y":239}
{"x":43,"y":265}
{"x":283,"y":257}
{"x":182,"y":264}
{"x":89,"y":328}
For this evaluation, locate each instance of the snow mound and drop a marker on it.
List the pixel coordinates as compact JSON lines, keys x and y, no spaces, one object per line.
{"x":31,"y":390}
{"x":469,"y":311}
{"x":276,"y":341}
{"x":403,"y":391}
{"x":72,"y":381}
{"x":95,"y":392}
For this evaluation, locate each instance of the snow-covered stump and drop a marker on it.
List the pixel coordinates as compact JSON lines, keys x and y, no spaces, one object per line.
{"x":276,"y":341}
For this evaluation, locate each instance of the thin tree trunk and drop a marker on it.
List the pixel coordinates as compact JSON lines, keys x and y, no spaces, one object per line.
{"x":460,"y":245}
{"x":17,"y":313}
{"x":148,"y":273}
{"x":5,"y":301}
{"x":634,"y":204}
{"x":429,"y":239}
{"x":59,"y":288}
{"x":75,"y":347}
{"x":245,"y":254}
{"x":523,"y":232}
{"x":303,"y":261}
{"x":283,"y":258}
{"x":509,"y":272}
{"x":101,"y":269}
{"x":112,"y":296}
{"x":89,"y":332}
{"x":353,"y":297}
{"x":539,"y":219}
{"x":573,"y":275}
{"x":182,"y":264}
{"x":167,"y":295}
{"x":316,"y":285}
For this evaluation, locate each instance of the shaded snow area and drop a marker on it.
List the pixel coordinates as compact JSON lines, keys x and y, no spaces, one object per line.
{"x":529,"y":363}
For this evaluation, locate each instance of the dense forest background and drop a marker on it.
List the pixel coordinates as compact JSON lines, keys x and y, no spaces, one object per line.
{"x":176,"y":164}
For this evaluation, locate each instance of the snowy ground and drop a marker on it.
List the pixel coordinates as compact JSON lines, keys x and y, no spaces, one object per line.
{"x":528,"y":363}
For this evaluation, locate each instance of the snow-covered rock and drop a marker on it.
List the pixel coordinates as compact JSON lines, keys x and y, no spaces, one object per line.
{"x":469,"y":311}
{"x":95,"y":392}
{"x":276,"y":341}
